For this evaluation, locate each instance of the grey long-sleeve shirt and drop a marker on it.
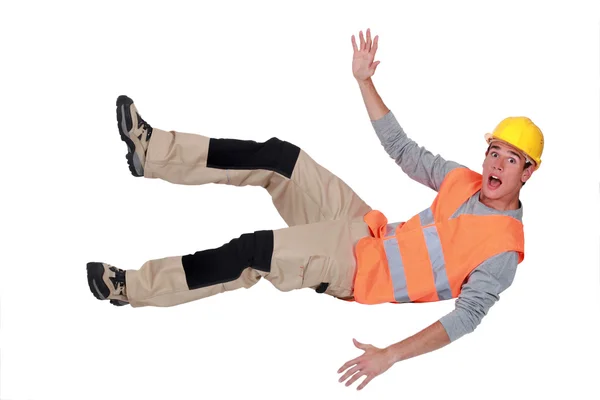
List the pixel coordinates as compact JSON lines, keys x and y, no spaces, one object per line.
{"x":490,"y":278}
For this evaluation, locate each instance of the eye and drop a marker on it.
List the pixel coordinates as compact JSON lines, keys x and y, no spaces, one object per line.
{"x":512,"y":160}
{"x":494,"y":154}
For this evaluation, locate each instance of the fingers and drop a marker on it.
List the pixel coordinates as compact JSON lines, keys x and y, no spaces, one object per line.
{"x":362,"y":41}
{"x":375,"y":43}
{"x":368,"y":45}
{"x":349,"y":372}
{"x":355,"y":377}
{"x":365,"y":382}
{"x":349,"y":364}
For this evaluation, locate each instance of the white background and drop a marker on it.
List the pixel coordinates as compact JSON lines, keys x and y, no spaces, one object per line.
{"x":450,"y":71}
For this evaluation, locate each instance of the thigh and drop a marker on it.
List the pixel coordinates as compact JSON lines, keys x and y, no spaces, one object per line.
{"x":305,"y":256}
{"x":334,"y":197}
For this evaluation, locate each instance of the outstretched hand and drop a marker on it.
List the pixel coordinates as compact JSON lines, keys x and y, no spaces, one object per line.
{"x":363,"y":66}
{"x":373,"y":362}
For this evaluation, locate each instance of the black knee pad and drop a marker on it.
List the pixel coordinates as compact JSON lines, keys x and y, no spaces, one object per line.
{"x":226,"y":263}
{"x":273,"y":155}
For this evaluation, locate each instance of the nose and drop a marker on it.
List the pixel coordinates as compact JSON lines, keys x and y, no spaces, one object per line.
{"x":497,"y":165}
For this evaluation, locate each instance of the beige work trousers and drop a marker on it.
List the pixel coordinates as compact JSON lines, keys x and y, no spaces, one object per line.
{"x":323,"y":214}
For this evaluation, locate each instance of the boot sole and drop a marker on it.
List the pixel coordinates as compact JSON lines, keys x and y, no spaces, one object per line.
{"x":125,"y":124}
{"x":95,"y":271}
{"x":99,"y":289}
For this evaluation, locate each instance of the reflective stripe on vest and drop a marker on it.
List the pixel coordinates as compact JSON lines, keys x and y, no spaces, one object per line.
{"x":396,"y":266}
{"x":436,"y":257}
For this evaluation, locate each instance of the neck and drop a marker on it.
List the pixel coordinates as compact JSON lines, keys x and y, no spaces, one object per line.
{"x":500,"y":204}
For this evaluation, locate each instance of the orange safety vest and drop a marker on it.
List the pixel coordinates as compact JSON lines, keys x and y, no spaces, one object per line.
{"x":429,"y":257}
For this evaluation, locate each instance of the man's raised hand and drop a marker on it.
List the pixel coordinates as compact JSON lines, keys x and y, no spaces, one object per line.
{"x":363,"y":66}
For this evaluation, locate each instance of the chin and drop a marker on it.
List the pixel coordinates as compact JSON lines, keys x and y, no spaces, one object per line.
{"x":494,"y":194}
{"x":504,"y":192}
{"x":491,"y":194}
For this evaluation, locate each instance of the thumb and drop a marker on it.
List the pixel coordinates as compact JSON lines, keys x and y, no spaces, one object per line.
{"x":374,"y":65}
{"x":359,"y":344}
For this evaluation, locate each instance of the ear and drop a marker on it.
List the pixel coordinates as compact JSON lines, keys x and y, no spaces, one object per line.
{"x":527,"y":172}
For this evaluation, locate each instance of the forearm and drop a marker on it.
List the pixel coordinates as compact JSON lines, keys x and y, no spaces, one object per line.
{"x":429,"y":339}
{"x":375,"y":106}
{"x":477,"y":296}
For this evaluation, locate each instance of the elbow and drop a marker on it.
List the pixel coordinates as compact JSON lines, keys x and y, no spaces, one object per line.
{"x":464,"y":319}
{"x":472,"y":311}
{"x":470,"y":317}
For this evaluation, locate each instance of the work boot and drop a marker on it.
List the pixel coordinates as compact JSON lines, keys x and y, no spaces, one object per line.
{"x":135,"y":132}
{"x":107,"y":283}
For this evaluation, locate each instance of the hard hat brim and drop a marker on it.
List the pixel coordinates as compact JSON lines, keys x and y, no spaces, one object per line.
{"x":489,"y":138}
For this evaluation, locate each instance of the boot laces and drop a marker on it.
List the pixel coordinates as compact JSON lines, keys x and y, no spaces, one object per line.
{"x":118,"y":280}
{"x":145,"y":127}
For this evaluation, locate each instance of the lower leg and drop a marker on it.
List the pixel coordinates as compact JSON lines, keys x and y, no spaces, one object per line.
{"x":175,"y":280}
{"x":163,"y":283}
{"x":194,"y":159}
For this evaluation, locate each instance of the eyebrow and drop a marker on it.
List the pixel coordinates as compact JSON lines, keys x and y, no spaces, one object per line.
{"x":496,"y":147}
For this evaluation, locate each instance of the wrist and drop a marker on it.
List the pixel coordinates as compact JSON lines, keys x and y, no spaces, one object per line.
{"x":392,"y":354}
{"x":365,"y":82}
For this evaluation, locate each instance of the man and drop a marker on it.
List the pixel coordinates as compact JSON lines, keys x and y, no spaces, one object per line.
{"x":466,"y":245}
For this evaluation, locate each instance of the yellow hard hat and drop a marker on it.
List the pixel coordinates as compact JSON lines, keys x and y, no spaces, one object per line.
{"x":521,"y":133}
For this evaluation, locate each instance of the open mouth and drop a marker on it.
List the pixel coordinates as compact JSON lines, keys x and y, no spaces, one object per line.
{"x":494,"y":182}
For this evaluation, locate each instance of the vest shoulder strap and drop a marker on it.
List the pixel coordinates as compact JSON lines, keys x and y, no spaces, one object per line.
{"x":458,"y":185}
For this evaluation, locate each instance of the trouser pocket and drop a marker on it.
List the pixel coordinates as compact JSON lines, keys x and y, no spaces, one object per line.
{"x":324,"y":275}
{"x":315,"y":272}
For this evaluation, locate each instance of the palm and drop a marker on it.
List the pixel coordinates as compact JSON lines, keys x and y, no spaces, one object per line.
{"x":372,"y":363}
{"x":363,"y":66}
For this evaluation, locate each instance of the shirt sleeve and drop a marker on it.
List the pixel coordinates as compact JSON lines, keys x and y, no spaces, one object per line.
{"x":480,"y":292}
{"x":416,"y":161}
